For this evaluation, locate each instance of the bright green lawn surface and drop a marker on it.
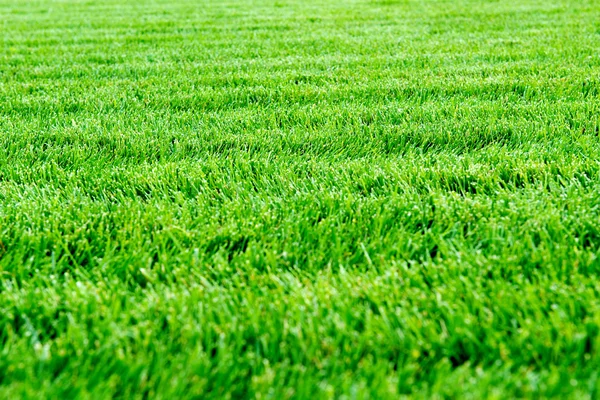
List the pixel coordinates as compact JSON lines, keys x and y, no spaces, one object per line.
{"x":299,"y":198}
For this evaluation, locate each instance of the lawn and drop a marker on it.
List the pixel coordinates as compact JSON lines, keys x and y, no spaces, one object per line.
{"x":305,"y":199}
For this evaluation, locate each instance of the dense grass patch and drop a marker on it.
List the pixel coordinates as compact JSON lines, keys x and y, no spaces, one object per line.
{"x":307,"y":199}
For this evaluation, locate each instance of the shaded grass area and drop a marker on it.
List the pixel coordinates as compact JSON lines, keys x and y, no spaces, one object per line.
{"x":299,"y":199}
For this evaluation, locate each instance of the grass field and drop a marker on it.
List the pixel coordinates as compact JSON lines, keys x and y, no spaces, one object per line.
{"x":299,"y":199}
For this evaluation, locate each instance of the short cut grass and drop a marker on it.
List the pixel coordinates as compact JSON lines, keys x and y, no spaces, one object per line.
{"x":299,"y":199}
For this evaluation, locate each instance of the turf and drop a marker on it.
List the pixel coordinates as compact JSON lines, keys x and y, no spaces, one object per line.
{"x":299,"y":199}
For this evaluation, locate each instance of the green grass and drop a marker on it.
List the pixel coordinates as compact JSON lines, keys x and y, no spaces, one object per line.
{"x":299,"y":199}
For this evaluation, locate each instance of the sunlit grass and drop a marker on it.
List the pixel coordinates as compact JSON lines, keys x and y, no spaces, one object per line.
{"x":307,"y":199}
